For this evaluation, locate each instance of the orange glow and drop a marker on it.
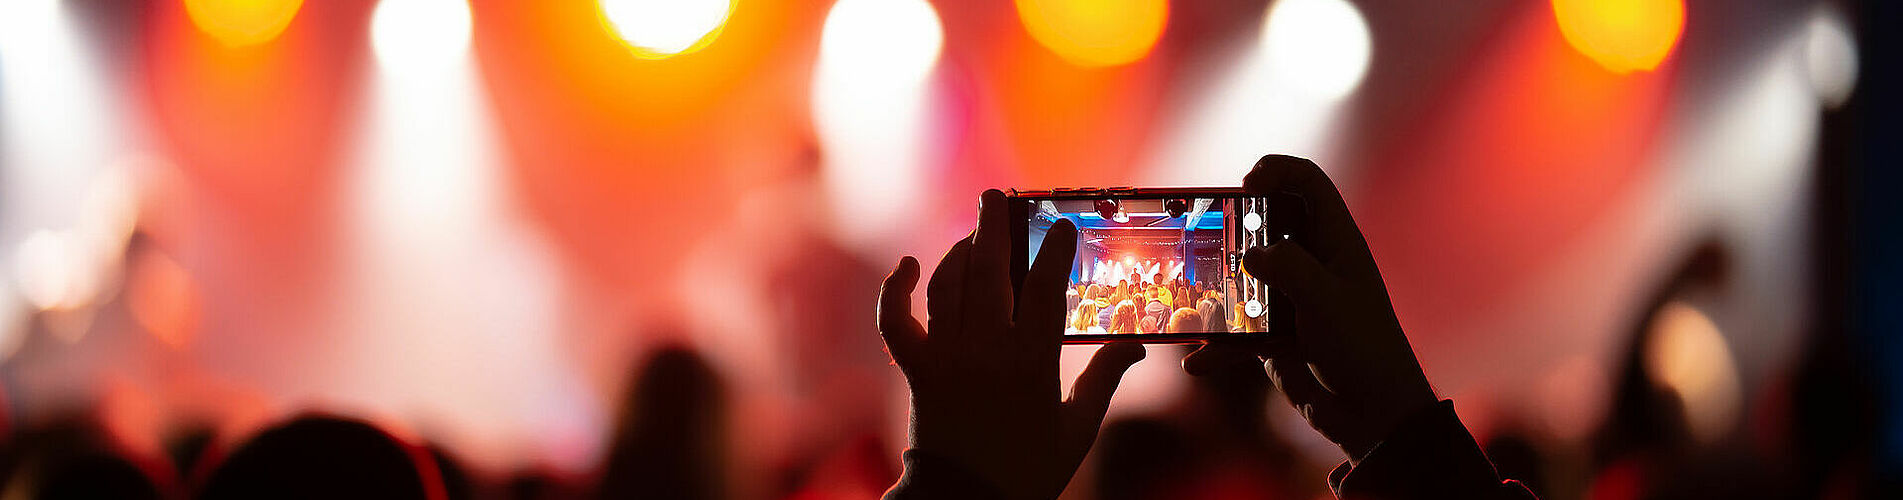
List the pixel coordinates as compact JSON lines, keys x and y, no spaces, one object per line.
{"x":1622,"y":35}
{"x":162,"y":298}
{"x":1688,"y":354}
{"x":1095,"y":32}
{"x":239,"y":23}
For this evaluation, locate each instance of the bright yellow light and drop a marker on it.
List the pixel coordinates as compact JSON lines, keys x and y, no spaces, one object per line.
{"x":1622,"y":35}
{"x":659,"y":29}
{"x":238,"y":23}
{"x":1095,"y":32}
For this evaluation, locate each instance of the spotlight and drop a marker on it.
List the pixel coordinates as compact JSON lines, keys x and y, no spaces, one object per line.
{"x":1176,"y":208}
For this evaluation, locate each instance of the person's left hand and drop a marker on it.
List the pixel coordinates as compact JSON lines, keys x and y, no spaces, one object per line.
{"x":984,"y":374}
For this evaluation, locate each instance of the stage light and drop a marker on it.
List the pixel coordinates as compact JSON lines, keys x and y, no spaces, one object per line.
{"x":1318,"y":46}
{"x":1621,"y":35}
{"x":1176,"y":208}
{"x":1095,"y":32}
{"x":1830,"y":57}
{"x":659,"y":29}
{"x":420,"y":35}
{"x":429,"y":233}
{"x":238,"y":23}
{"x":869,"y":111}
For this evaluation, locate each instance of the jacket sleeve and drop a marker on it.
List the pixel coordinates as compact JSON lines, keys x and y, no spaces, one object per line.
{"x":1431,"y":455}
{"x":928,"y":477}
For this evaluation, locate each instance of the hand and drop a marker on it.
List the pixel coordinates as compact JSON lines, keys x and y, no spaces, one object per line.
{"x":984,"y":380}
{"x":1350,"y":372}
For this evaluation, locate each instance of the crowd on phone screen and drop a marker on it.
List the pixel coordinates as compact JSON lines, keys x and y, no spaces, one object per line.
{"x":1154,"y":305}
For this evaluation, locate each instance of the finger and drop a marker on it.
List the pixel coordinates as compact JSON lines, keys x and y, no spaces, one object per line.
{"x":1090,"y":395}
{"x":1288,"y":267}
{"x":1334,"y":227}
{"x":1041,"y":302}
{"x":988,"y":293}
{"x":944,"y":294}
{"x":897,"y":326}
{"x":1218,"y":356}
{"x":1294,"y":379}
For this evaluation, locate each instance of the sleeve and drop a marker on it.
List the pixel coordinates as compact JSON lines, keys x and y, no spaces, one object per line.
{"x":929,"y":477}
{"x":1431,"y":455}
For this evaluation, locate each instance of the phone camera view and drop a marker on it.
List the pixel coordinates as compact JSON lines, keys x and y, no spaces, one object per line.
{"x":1167,"y":266}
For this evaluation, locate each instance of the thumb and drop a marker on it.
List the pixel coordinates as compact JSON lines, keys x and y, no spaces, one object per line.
{"x":1288,"y":267}
{"x":900,"y":329}
{"x":1090,"y":396}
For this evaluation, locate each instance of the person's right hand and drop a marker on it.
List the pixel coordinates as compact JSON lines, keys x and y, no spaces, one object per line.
{"x":1350,"y":372}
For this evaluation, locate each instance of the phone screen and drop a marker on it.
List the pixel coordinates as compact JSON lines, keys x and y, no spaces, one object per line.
{"x":1158,"y":269}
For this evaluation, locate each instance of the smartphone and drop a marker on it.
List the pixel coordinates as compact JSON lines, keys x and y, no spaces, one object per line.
{"x":1160,"y":265}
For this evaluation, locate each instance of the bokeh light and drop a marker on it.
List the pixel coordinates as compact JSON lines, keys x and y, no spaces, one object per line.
{"x":239,"y":23}
{"x":659,"y":29}
{"x":869,"y":105}
{"x":1622,"y":35}
{"x":1830,"y":57}
{"x":162,"y":297}
{"x":1688,"y":355}
{"x":1318,"y":46}
{"x":51,"y":273}
{"x":1096,"y":32}
{"x":411,"y":35}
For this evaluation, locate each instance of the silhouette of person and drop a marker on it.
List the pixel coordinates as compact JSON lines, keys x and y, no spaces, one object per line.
{"x":670,"y":440}
{"x":988,"y":422}
{"x":323,"y":457}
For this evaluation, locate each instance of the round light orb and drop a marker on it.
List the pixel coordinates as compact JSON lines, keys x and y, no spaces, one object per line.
{"x":1830,"y":58}
{"x":1622,"y":35}
{"x":659,"y":29}
{"x":1095,"y":33}
{"x":239,"y":23}
{"x":1687,"y":354}
{"x":411,"y":35}
{"x":1252,"y":221}
{"x":1253,"y":308}
{"x":1321,"y":47}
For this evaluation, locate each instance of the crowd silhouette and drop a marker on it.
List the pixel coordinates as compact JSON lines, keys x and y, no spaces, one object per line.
{"x":988,"y":419}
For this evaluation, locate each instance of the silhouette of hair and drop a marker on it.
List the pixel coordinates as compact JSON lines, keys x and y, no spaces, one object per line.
{"x":1125,"y":319}
{"x":1184,"y":320}
{"x":324,"y":457}
{"x":457,"y":484}
{"x":73,"y":457}
{"x":1085,"y":316}
{"x":1213,"y":319}
{"x":94,"y":475}
{"x":670,"y":442}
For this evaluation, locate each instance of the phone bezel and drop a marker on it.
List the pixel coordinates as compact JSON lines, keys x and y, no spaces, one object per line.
{"x":1020,"y":216}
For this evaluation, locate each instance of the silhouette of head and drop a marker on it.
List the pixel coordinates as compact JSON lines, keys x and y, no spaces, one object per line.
{"x":671,"y":437}
{"x":324,"y":457}
{"x":1185,"y":320}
